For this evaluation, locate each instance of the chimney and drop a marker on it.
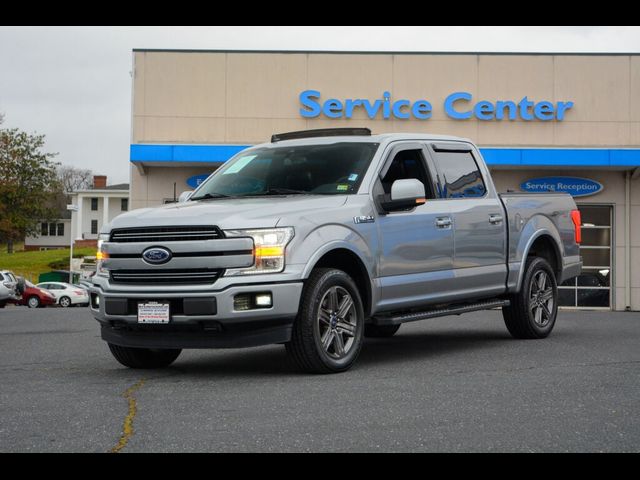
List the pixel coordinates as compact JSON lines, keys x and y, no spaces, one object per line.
{"x":99,"y":181}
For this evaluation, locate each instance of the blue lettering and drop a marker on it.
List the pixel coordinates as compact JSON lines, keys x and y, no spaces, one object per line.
{"x":500,"y":108}
{"x":563,"y":107}
{"x":312,"y":107}
{"x":372,"y":110}
{"x":544,"y":111}
{"x":332,"y":108}
{"x":386,"y":107}
{"x":349,"y":105}
{"x":483,"y":110}
{"x":524,"y":105}
{"x":451,"y":100}
{"x":422,"y":110}
{"x":397,"y":109}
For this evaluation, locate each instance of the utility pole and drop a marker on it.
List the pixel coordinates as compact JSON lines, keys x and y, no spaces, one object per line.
{"x":72,"y":208}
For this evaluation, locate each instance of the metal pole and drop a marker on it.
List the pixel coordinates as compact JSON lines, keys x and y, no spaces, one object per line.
{"x":71,"y":259}
{"x":627,"y":241}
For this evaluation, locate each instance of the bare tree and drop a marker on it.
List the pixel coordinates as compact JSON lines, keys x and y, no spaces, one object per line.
{"x":73,"y":178}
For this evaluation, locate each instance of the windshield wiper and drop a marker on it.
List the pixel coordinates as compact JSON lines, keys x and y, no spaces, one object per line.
{"x":286,"y":191}
{"x":208,"y":196}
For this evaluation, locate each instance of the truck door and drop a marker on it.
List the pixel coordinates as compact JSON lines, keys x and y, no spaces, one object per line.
{"x":479,"y":222}
{"x":416,"y":245}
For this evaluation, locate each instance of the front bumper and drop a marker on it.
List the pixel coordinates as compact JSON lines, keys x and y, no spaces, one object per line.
{"x":220,"y":327}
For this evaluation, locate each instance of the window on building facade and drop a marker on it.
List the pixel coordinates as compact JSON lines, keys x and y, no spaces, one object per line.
{"x":44,"y":229}
{"x":52,"y":229}
{"x":124,"y":204}
{"x":61,"y":229}
{"x":94,"y":204}
{"x":94,"y":227}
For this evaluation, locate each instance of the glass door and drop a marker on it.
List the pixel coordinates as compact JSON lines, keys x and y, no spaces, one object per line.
{"x":592,"y":289}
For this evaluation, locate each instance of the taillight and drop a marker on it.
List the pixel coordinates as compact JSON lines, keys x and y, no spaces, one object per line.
{"x":577,"y":222}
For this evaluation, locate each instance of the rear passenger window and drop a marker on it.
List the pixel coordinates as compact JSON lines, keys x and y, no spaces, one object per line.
{"x":459,"y":175}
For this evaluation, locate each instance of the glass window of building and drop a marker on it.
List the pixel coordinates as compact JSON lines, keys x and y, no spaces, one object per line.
{"x":61,"y":229}
{"x":124,"y":204}
{"x":592,"y":289}
{"x":94,"y":227}
{"x":94,"y":204}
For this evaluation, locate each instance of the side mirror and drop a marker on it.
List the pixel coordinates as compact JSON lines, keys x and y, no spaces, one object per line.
{"x":184,"y":196}
{"x":405,"y":195}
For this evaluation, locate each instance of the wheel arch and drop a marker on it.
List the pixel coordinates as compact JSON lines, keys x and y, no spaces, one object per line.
{"x":346,"y":259}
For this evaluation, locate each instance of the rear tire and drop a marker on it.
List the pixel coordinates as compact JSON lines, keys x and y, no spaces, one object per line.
{"x":380,"y":331}
{"x":533,"y":310}
{"x":328,"y":331}
{"x":144,"y":357}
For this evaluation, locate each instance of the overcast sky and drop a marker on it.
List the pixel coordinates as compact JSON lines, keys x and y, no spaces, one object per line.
{"x":73,"y":84}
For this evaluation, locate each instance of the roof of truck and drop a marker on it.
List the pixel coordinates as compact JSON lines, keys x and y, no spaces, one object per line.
{"x":379,"y":138}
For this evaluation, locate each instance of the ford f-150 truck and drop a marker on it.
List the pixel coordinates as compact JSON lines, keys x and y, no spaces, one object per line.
{"x":320,"y":238}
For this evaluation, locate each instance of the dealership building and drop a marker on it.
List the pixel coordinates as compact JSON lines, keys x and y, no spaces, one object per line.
{"x":564,"y":122}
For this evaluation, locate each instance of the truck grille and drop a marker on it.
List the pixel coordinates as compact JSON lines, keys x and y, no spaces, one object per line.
{"x":166,"y":277}
{"x":165,"y":234}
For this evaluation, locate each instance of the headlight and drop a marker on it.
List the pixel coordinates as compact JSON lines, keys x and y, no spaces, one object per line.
{"x":102,"y":255}
{"x":269,"y":246}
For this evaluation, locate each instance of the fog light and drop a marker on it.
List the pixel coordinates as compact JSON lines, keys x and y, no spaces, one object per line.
{"x":263,"y":300}
{"x":252,"y":301}
{"x":95,"y":301}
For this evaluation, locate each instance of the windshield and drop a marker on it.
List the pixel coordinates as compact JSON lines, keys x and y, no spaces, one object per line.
{"x":331,"y":169}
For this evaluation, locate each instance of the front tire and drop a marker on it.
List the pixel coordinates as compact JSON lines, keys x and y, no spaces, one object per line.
{"x":533,"y":310}
{"x":380,"y":331}
{"x":141,"y":358}
{"x":64,"y":302}
{"x":33,"y":302}
{"x":328,"y":331}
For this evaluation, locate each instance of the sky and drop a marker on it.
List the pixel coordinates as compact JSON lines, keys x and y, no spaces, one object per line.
{"x":73,"y":84}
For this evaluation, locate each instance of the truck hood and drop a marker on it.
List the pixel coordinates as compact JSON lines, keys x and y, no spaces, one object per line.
{"x":228,"y":213}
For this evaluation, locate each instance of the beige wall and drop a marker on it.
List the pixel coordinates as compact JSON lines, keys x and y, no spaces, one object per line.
{"x":157,"y":184}
{"x":209,"y":97}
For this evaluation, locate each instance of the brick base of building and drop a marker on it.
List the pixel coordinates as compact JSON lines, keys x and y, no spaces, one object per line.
{"x":85,"y":243}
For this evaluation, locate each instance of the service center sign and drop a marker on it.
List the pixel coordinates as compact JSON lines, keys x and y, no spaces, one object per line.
{"x":457,"y":106}
{"x":574,"y":186}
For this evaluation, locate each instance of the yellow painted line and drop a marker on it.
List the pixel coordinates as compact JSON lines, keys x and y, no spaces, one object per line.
{"x":127,"y":427}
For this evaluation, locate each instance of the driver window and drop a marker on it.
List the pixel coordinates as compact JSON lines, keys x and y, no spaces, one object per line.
{"x":408,"y":164}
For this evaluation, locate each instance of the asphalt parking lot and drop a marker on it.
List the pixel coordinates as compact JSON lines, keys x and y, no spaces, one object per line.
{"x":451,"y":384}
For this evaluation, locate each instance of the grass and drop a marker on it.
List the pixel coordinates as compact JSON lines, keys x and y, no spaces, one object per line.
{"x":31,"y":264}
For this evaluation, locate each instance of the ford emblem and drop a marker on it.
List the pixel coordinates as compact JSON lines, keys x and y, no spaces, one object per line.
{"x":156,"y":255}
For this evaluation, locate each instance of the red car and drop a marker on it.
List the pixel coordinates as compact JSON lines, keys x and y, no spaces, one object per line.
{"x":35,"y":297}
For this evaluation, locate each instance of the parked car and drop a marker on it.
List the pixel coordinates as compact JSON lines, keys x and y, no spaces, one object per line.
{"x":321,"y":238}
{"x":9,"y":287}
{"x":35,"y":297}
{"x":5,"y":295}
{"x":67,"y":295}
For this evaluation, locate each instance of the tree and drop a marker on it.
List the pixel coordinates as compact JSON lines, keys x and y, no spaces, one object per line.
{"x":28,"y":183}
{"x":73,"y":178}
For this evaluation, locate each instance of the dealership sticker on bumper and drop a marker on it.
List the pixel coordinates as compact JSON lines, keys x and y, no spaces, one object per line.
{"x":153,"y":312}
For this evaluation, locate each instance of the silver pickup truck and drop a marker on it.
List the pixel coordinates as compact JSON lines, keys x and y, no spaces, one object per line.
{"x":320,"y":238}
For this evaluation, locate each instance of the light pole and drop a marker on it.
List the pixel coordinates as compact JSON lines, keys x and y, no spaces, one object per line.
{"x":72,"y":208}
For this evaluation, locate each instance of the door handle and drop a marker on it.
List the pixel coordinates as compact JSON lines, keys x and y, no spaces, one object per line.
{"x":495,"y":219}
{"x":443,"y":222}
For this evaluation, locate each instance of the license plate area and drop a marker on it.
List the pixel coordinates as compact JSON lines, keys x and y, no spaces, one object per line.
{"x":154,"y":312}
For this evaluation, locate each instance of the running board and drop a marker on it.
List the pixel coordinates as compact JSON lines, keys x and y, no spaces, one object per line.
{"x":440,"y":312}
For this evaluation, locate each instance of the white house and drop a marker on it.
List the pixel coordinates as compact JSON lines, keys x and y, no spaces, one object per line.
{"x":96,"y":206}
